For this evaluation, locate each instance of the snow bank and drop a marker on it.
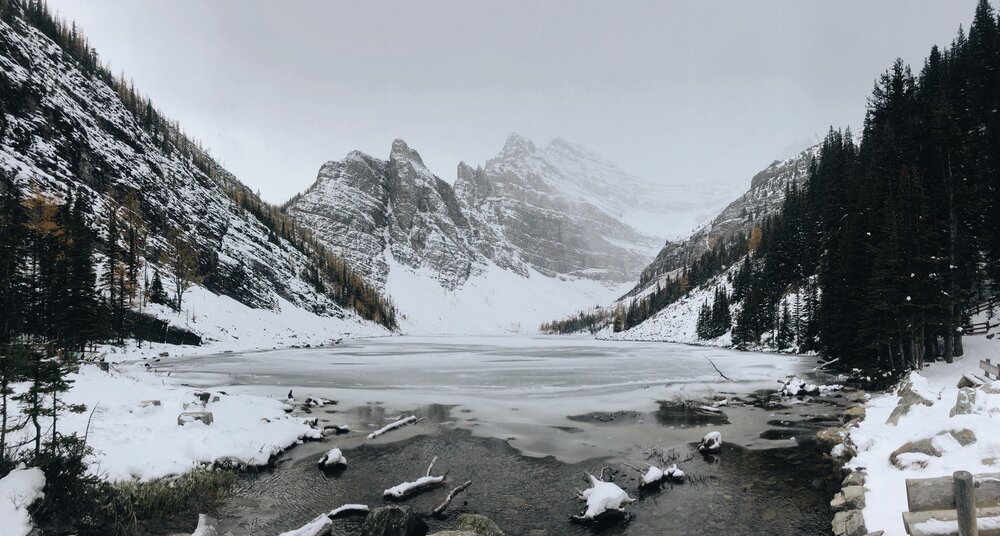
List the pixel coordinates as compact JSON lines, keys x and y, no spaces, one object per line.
{"x":496,"y":301}
{"x":18,"y":490}
{"x":134,"y":437}
{"x":885,"y":497}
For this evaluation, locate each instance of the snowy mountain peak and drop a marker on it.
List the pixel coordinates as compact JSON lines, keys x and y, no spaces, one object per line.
{"x":517,"y":143}
{"x":402,"y":151}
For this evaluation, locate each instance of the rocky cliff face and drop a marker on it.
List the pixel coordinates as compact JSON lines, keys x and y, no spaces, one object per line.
{"x":559,"y":207}
{"x":63,"y":129}
{"x":766,"y":194}
{"x":550,"y":210}
{"x":370,"y":210}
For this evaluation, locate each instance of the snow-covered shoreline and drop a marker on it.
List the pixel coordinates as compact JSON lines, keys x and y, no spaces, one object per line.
{"x":938,"y":434}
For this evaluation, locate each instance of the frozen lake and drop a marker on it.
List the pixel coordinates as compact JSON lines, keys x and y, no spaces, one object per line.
{"x":524,"y":417}
{"x":521,"y":389}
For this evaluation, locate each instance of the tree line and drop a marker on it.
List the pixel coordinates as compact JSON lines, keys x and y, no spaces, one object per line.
{"x":898,"y":233}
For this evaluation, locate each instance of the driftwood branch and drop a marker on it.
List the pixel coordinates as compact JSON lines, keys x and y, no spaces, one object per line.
{"x":412,"y":419}
{"x":717,"y":370}
{"x":406,"y":489}
{"x":348,"y":509}
{"x":451,"y":495}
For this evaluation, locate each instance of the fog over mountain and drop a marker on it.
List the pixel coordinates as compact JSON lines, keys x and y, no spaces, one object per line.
{"x":644,"y":87}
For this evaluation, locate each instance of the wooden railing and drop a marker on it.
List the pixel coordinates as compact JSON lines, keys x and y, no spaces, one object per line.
{"x":960,"y":505}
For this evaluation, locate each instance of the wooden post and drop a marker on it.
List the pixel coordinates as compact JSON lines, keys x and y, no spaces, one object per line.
{"x":965,"y":503}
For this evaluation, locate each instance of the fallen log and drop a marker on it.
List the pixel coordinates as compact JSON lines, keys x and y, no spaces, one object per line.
{"x":320,"y":526}
{"x":348,"y":510}
{"x":451,"y":495}
{"x":412,"y":419}
{"x":406,"y":489}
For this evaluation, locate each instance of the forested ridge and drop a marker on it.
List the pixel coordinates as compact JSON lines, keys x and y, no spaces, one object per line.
{"x":874,"y":260}
{"x":901,"y":230}
{"x":124,"y":227}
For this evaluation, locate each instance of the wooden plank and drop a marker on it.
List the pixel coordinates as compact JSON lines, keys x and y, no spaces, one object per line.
{"x":987,"y":527}
{"x":924,"y":494}
{"x":990,"y":368}
{"x":970,"y":380}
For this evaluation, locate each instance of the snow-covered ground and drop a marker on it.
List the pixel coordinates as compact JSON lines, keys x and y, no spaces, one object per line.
{"x":678,"y":322}
{"x":135,"y":433}
{"x":495,"y":302}
{"x":18,"y":490}
{"x":225,"y":324}
{"x":885,"y":497}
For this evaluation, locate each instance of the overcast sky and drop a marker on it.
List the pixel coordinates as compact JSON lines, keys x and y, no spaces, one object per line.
{"x":683,"y":91}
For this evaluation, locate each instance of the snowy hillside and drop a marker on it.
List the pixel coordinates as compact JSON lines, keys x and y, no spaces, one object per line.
{"x":764,"y":198}
{"x":65,"y":130}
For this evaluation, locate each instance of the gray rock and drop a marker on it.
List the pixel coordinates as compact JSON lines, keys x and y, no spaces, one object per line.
{"x":148,"y":403}
{"x":848,"y":498}
{"x":965,"y":403}
{"x":964,"y":436}
{"x":393,"y":520}
{"x":849,"y":523}
{"x":856,"y":478}
{"x":855,"y":412}
{"x":907,"y":399}
{"x":921,"y":446}
{"x":191,"y":416}
{"x":477,"y":524}
{"x":454,"y":533}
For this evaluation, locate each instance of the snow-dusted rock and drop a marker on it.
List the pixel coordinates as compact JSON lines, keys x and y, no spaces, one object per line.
{"x":849,"y":523}
{"x":603,"y":497}
{"x":912,"y":391}
{"x":965,"y":403}
{"x":711,"y":443}
{"x":655,"y":474}
{"x":848,"y":498}
{"x":188,"y":417}
{"x":393,"y":520}
{"x":332,"y":458}
{"x":796,"y":386}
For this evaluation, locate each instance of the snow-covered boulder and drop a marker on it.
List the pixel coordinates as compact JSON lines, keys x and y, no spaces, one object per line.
{"x":795,"y":386}
{"x":711,"y":443}
{"x":332,"y":458}
{"x":655,"y":475}
{"x":188,"y":417}
{"x":603,"y":497}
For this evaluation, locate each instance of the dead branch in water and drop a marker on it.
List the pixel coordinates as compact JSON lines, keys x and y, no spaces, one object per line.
{"x":447,"y":501}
